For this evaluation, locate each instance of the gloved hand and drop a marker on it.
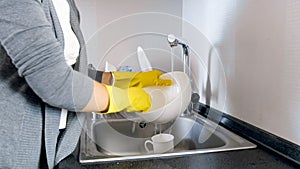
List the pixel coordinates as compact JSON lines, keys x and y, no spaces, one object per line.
{"x":131,"y":99}
{"x":139,"y":79}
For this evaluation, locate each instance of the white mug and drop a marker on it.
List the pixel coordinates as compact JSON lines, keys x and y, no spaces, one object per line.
{"x":161,"y":143}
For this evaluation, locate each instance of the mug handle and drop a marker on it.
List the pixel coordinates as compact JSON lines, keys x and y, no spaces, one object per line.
{"x":146,"y":142}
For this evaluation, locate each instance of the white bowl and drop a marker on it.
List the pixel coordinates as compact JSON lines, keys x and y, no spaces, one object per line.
{"x":170,"y":101}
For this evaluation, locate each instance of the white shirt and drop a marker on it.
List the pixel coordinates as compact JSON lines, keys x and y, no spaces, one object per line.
{"x":72,"y":45}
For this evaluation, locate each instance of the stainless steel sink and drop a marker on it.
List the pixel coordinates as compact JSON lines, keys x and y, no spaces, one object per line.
{"x":110,"y":140}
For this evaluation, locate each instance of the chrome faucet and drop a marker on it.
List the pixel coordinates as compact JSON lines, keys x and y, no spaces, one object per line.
{"x":174,"y":41}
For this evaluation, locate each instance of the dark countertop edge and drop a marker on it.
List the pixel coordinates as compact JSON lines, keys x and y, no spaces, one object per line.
{"x":283,"y":147}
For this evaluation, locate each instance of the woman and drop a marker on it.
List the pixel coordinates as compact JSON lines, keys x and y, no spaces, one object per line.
{"x":37,"y":55}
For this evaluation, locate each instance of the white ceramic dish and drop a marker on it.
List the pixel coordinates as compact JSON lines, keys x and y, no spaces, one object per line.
{"x":168,"y":102}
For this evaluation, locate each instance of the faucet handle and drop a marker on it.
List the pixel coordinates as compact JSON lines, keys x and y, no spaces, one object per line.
{"x":172,"y":40}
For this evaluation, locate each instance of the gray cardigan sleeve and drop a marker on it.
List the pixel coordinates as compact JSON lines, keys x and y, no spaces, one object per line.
{"x":29,"y":39}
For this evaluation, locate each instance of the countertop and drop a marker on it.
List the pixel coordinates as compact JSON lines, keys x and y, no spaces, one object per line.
{"x":258,"y":158}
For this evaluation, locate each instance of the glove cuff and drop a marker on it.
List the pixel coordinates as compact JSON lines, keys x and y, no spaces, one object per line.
{"x":117,"y":99}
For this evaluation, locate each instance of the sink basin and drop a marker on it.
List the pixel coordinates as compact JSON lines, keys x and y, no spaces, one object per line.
{"x":121,"y":139}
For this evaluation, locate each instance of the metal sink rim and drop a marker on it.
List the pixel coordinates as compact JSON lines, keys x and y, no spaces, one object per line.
{"x":232,"y":142}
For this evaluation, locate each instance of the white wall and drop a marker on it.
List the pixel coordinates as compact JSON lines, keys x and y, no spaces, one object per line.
{"x":255,"y":67}
{"x":113,"y":29}
{"x":249,"y":48}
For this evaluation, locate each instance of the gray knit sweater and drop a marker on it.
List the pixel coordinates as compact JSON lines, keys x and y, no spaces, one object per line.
{"x":33,"y":72}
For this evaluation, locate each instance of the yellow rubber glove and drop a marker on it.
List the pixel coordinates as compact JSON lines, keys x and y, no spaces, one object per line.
{"x":139,"y":79}
{"x":132,"y":99}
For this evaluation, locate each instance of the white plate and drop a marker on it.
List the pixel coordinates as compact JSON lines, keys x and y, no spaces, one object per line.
{"x":168,"y":102}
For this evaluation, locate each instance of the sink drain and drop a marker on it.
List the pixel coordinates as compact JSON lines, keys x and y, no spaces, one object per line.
{"x":142,"y":124}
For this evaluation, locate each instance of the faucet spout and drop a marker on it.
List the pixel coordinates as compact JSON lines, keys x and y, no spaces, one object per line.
{"x":174,"y":41}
